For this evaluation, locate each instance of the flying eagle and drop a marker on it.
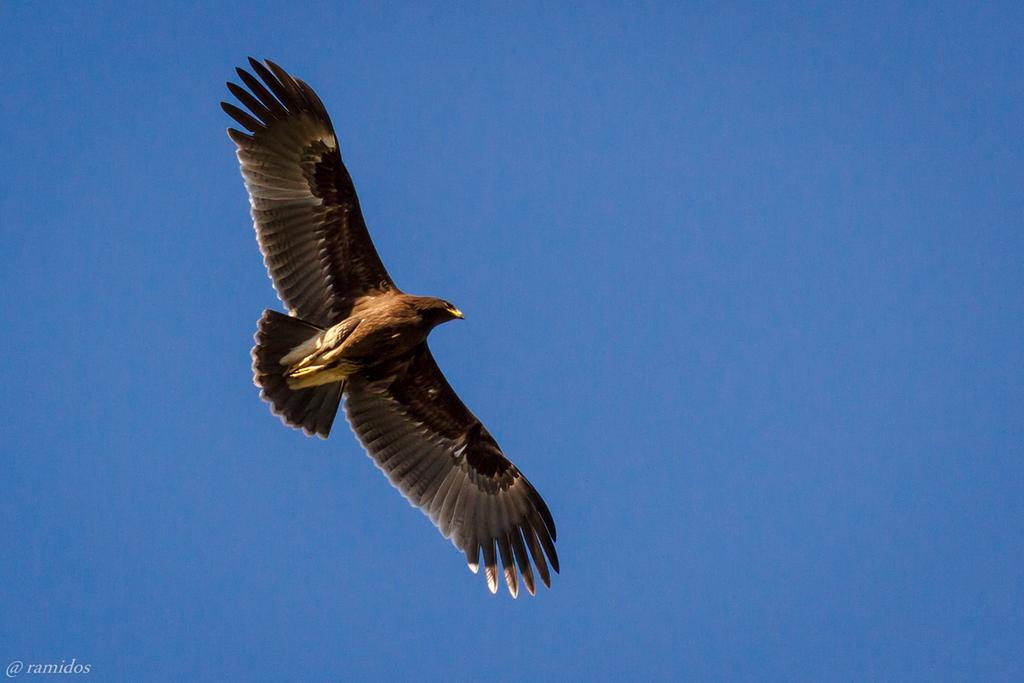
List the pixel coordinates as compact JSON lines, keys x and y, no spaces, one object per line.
{"x":351,"y":333}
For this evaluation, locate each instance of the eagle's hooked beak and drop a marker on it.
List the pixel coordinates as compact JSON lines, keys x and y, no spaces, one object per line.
{"x":456,"y":313}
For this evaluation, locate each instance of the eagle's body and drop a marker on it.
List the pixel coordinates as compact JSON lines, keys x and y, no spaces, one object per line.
{"x":381,"y":331}
{"x":352,"y":333}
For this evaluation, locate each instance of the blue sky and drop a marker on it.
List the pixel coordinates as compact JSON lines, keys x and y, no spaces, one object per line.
{"x":744,"y":300}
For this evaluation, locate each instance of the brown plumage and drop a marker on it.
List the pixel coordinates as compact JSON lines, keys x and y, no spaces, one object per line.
{"x":351,"y":333}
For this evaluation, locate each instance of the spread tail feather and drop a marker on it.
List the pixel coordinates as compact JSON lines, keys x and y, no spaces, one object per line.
{"x":311,"y":409}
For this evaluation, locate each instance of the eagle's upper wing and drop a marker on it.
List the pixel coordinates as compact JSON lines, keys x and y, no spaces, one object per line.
{"x":436,"y":452}
{"x":304,"y":206}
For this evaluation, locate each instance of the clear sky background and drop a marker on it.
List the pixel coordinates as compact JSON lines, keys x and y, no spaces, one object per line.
{"x":744,"y":293}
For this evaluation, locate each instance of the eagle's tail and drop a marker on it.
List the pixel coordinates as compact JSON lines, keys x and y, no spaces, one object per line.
{"x":311,"y":409}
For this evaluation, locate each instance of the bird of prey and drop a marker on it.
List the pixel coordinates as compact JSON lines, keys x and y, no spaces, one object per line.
{"x":352,"y":334}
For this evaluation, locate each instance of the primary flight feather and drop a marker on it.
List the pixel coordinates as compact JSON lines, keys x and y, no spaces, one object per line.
{"x":351,"y":334}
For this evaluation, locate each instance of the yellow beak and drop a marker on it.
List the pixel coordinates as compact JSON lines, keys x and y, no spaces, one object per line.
{"x":456,"y":313}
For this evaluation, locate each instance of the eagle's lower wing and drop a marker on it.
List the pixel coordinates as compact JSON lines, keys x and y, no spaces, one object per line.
{"x":304,"y":207}
{"x":443,"y":460}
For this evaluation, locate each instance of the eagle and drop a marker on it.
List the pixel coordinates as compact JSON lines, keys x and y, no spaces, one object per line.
{"x":351,"y":334}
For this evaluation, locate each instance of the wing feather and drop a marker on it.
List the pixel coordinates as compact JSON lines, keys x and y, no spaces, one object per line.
{"x":538,"y":555}
{"x":473,"y":557}
{"x":508,"y":566}
{"x":490,"y":565}
{"x":522,"y":559}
